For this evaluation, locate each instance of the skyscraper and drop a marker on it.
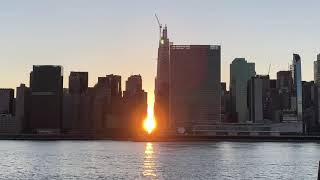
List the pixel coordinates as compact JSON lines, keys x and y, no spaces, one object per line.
{"x":316,"y":70}
{"x":240,"y":72}
{"x":6,"y":101}
{"x":255,"y":99}
{"x":75,"y":115}
{"x":78,"y":82}
{"x":46,"y":84}
{"x":23,"y":106}
{"x":115,"y":85}
{"x":135,"y":99}
{"x":161,"y":105}
{"x":194,"y":85}
{"x":133,"y":84}
{"x":284,"y":85}
{"x":107,"y":111}
{"x":297,"y":82}
{"x":317,"y":88}
{"x":284,"y":80}
{"x":307,"y":94}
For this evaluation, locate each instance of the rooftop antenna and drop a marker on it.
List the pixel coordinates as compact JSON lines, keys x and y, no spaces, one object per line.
{"x":160,"y":25}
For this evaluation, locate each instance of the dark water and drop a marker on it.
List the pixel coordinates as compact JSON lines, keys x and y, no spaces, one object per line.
{"x":132,"y":160}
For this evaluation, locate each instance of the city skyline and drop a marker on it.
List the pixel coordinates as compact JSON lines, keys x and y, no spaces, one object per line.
{"x":210,"y":89}
{"x":61,"y":34}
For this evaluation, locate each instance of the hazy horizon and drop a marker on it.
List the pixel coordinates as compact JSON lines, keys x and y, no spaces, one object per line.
{"x":120,"y":37}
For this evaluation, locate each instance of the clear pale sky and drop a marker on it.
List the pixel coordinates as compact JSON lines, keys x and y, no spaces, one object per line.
{"x":121,"y":37}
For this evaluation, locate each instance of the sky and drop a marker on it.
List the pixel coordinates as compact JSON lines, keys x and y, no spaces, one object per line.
{"x":121,"y":37}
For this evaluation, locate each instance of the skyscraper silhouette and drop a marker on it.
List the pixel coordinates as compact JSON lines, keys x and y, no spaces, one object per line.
{"x":135,"y":100}
{"x":297,"y":82}
{"x":78,"y":82}
{"x":161,"y":105}
{"x":6,"y":101}
{"x":46,"y":84}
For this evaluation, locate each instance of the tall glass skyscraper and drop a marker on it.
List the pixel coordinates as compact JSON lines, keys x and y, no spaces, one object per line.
{"x":316,"y":68}
{"x":296,"y":72}
{"x":240,"y":72}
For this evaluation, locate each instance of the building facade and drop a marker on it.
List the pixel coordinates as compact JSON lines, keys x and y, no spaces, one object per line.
{"x":46,"y":84}
{"x":78,"y":82}
{"x":297,"y":82}
{"x":161,"y":104}
{"x":240,"y":72}
{"x":316,"y":70}
{"x":194,"y":85}
{"x":255,"y":100}
{"x":7,"y":101}
{"x":135,"y":101}
{"x":23,"y":107}
{"x":284,"y":86}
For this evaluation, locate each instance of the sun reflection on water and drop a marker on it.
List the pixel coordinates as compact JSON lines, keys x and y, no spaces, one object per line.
{"x":149,"y":165}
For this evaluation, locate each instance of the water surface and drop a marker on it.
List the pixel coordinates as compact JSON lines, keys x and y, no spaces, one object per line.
{"x":139,"y":160}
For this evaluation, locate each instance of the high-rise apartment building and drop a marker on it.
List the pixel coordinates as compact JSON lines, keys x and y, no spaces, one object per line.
{"x":240,"y":72}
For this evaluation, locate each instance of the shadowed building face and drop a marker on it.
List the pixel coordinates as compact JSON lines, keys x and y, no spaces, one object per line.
{"x":6,"y":101}
{"x":78,"y":82}
{"x":194,"y":85}
{"x":46,"y":98}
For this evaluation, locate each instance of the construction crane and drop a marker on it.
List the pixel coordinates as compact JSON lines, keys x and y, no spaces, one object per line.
{"x":160,"y":25}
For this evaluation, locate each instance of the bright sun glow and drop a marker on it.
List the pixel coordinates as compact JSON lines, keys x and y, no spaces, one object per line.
{"x":149,"y":124}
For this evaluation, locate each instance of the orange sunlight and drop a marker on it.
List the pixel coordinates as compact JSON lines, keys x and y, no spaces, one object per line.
{"x":149,"y":124}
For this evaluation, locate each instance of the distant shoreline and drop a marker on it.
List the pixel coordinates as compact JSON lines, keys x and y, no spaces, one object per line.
{"x":292,"y":138}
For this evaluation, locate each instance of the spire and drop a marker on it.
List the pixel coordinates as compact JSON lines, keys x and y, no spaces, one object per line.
{"x":165,"y":32}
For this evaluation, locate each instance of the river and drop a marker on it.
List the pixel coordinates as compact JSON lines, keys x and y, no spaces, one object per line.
{"x":161,"y":160}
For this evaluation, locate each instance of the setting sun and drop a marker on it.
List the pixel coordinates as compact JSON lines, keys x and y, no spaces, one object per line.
{"x":149,"y":124}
